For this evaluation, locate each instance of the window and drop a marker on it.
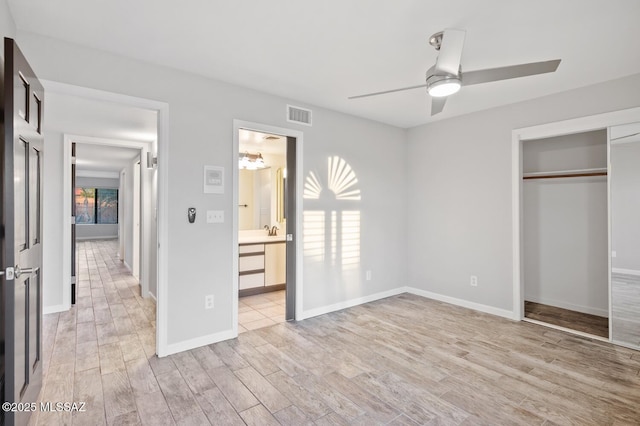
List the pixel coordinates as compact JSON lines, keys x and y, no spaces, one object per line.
{"x":96,"y":205}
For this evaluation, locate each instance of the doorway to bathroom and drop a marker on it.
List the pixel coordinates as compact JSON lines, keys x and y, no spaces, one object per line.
{"x":265,"y":227}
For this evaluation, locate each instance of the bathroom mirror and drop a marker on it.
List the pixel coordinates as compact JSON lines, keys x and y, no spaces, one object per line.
{"x":624,"y":157}
{"x":254,"y":198}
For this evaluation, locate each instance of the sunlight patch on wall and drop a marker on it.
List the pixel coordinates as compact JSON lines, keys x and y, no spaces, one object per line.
{"x":313,"y":235}
{"x":331,"y":228}
{"x":342,"y":179}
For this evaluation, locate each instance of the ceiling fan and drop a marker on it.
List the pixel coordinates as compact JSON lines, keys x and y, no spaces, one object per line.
{"x":446,"y":77}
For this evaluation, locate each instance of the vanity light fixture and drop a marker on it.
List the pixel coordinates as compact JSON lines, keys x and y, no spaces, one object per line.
{"x":251,"y":161}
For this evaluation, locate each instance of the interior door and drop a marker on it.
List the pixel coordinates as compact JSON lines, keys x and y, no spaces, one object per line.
{"x":22,"y":157}
{"x":74,"y":260}
{"x":290,"y":208}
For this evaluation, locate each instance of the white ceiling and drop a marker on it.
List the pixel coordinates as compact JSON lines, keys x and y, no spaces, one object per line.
{"x":256,"y":142}
{"x":98,"y":119}
{"x":324,"y":51}
{"x":103,"y":158}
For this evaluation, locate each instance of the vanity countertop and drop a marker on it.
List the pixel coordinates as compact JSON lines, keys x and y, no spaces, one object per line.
{"x":249,"y":237}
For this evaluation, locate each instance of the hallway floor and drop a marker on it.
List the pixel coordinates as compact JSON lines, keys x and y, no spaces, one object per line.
{"x":102,"y":350}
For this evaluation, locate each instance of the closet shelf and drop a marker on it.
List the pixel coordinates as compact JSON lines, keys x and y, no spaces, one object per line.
{"x":566,"y":173}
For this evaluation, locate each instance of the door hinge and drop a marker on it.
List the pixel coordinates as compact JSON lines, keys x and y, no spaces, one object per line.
{"x":9,"y":272}
{"x":289,"y":237}
{"x":73,"y":220}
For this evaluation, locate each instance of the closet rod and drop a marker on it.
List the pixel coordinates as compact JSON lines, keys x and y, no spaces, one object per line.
{"x":566,"y":175}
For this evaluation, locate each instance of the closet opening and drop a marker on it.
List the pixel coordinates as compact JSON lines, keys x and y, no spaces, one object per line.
{"x":565,"y":238}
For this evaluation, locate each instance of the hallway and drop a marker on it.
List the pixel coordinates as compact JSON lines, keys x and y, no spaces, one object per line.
{"x":102,"y":350}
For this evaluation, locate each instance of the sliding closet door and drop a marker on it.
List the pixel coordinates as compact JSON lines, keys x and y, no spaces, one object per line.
{"x":625,"y":234}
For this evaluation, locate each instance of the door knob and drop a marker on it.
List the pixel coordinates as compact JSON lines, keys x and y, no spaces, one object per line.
{"x":18,"y":271}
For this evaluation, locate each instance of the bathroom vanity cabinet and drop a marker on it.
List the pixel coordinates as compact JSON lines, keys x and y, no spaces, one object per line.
{"x":262,"y":267}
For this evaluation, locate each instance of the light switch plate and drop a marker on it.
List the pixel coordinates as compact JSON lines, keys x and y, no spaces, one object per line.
{"x":215,"y":216}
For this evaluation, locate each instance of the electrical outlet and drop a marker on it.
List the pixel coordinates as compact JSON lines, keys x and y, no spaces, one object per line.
{"x":368,"y":275}
{"x":473,"y":281}
{"x":215,"y":216}
{"x":208,"y":301}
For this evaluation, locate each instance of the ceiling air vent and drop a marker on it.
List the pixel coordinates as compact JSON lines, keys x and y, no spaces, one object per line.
{"x":298,"y":115}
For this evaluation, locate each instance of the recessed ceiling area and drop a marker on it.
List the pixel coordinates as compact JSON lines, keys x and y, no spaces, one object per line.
{"x":256,"y":142}
{"x":89,"y":118}
{"x":320,"y":53}
{"x":103,"y":158}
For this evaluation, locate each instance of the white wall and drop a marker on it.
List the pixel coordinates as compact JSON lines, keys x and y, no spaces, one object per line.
{"x":127,"y":214}
{"x":7,"y":26}
{"x":459,"y":186}
{"x":625,"y":206}
{"x":201,"y":113}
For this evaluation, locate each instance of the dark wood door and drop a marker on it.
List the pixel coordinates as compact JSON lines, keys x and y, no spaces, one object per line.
{"x":74,"y":259}
{"x":22,"y":158}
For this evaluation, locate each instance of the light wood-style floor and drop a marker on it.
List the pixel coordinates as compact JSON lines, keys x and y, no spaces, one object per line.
{"x":625,"y":303}
{"x":579,"y":321}
{"x":404,"y":360}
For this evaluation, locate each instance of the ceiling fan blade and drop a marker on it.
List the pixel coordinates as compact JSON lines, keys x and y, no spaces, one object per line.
{"x":437,"y":105}
{"x":506,"y":73}
{"x":387,"y":91}
{"x":450,"y":52}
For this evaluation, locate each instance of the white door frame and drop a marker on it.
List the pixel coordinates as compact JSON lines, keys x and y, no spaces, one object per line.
{"x":559,"y":128}
{"x":139,"y":184}
{"x":162,"y":178}
{"x":265,"y":128}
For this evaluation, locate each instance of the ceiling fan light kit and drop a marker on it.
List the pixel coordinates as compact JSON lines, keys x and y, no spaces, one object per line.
{"x":440,"y":86}
{"x":445,"y":77}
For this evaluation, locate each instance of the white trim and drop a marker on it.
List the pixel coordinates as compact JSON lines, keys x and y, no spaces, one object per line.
{"x":126,"y":265}
{"x":565,"y":127}
{"x":609,"y":233}
{"x":351,"y":303}
{"x":66,"y":170}
{"x":54,"y":309}
{"x":153,"y":296}
{"x":97,"y":174}
{"x":566,"y":330}
{"x":186,"y":345}
{"x":461,"y":302}
{"x":163,"y":206}
{"x":264,"y":128}
{"x":570,"y":306}
{"x":625,"y":271}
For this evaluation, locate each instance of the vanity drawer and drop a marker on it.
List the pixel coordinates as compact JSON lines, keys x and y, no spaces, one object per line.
{"x":251,"y":248}
{"x":251,"y":263}
{"x":251,"y":281}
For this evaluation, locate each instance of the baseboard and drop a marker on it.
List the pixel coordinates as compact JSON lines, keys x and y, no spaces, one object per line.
{"x":97,"y":237}
{"x":460,"y":302}
{"x":186,"y":345}
{"x":570,"y":306}
{"x":349,"y":303}
{"x":625,"y":271}
{"x":55,"y":309}
{"x":153,"y":296}
{"x":126,"y":265}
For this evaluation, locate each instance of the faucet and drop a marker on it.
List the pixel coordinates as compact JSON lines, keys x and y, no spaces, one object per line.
{"x":271,"y":232}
